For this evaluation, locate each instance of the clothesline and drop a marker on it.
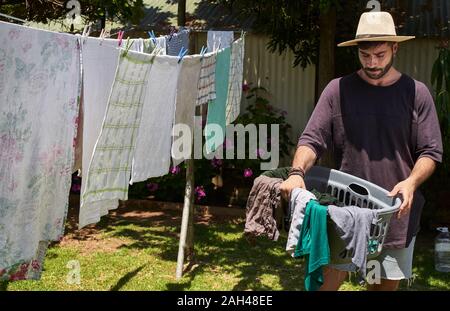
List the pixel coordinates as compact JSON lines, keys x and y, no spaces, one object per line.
{"x":110,"y":128}
{"x":13,"y":18}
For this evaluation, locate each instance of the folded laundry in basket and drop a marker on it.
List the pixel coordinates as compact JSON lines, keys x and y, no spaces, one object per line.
{"x":352,"y":224}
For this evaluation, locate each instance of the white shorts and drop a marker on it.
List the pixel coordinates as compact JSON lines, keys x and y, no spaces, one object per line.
{"x":395,"y":264}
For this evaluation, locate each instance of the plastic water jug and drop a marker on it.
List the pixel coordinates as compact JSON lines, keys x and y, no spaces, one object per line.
{"x":442,"y":250}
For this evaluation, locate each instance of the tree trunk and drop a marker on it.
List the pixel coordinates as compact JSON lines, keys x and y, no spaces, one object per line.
{"x":327,"y":46}
{"x":326,"y":70}
{"x":181,"y":12}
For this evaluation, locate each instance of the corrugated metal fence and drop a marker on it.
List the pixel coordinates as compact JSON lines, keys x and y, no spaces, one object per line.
{"x":416,"y":57}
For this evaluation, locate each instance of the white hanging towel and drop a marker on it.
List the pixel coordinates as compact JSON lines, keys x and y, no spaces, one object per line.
{"x":110,"y":167}
{"x":219,"y":40}
{"x":99,"y":68}
{"x":186,"y":98}
{"x":154,"y":141}
{"x":233,"y":107}
{"x":39,"y":86}
{"x":99,"y":63}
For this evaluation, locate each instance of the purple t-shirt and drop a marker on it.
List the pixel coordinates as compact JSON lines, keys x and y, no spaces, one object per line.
{"x":378,"y":133}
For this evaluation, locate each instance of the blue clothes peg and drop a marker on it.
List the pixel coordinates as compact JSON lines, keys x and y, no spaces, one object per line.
{"x":151,"y":34}
{"x":182,"y":53}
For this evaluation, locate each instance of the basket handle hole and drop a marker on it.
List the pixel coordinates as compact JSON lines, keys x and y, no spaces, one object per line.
{"x":359,"y":189}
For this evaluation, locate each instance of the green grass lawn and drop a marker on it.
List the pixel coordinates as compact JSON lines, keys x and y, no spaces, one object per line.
{"x":136,"y":248}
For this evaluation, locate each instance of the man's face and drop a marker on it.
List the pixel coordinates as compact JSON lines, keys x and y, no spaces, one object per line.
{"x":377,"y":60}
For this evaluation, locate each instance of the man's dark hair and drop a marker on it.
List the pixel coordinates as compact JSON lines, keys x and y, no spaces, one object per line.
{"x":364,"y":45}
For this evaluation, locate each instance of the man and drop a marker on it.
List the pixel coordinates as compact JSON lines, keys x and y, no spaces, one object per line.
{"x":381,"y":126}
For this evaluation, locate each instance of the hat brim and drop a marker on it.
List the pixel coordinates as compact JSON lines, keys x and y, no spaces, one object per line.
{"x":371,"y":39}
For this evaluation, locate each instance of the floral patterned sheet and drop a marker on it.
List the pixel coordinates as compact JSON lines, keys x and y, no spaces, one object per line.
{"x":39,"y":87}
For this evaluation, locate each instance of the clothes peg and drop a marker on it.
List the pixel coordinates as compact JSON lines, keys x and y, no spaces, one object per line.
{"x":83,"y":34}
{"x":182,"y":53}
{"x":84,"y":31}
{"x":157,"y":51}
{"x":203,"y":51}
{"x":101,"y":37}
{"x":120,"y":36}
{"x":89,"y":30}
{"x":152,"y":36}
{"x":218,"y":46}
{"x":128,"y":45}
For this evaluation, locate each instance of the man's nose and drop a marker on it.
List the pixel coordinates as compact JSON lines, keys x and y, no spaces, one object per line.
{"x":372,"y":62}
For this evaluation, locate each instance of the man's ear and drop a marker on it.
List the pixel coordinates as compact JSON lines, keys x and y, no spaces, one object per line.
{"x":395,"y":48}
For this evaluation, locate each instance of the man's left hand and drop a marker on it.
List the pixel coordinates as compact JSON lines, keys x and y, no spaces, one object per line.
{"x":406,"y":188}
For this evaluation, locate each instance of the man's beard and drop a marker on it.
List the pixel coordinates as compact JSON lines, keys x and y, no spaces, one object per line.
{"x":382,"y":71}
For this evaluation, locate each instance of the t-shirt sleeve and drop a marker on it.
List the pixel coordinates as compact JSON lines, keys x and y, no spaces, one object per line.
{"x":429,"y":140}
{"x":317,"y":134}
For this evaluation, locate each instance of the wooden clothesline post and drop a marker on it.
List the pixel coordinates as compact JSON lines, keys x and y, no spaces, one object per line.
{"x":186,"y":247}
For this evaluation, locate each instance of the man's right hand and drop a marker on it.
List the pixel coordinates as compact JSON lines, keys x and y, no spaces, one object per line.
{"x":294,"y":181}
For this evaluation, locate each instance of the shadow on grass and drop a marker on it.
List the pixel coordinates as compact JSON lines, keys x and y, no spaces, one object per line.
{"x":218,"y":247}
{"x":126,"y":278}
{"x":247,"y":263}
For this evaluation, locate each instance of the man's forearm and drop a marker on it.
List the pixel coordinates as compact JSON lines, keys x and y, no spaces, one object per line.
{"x":304,"y":158}
{"x":423,"y":169}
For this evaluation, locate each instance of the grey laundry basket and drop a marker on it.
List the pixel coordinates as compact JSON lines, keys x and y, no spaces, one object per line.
{"x":351,"y":190}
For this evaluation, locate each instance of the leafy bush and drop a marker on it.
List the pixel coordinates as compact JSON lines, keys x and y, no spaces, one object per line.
{"x":441,"y":80}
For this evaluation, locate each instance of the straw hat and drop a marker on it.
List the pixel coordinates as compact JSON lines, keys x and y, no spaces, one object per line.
{"x":376,"y":26}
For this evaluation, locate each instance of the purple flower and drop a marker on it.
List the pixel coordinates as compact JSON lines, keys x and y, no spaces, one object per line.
{"x":200,"y":192}
{"x":175,"y":170}
{"x":216,"y":163}
{"x":248,"y":173}
{"x":284,"y":113}
{"x":152,"y":187}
